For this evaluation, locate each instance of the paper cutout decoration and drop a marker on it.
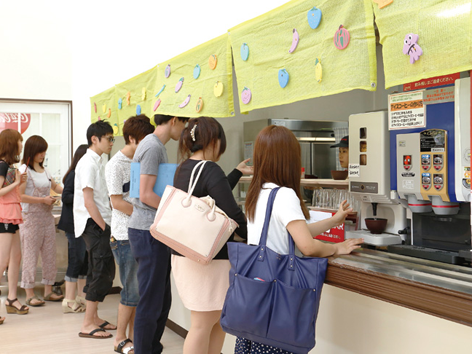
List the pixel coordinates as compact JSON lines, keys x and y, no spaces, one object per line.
{"x":314,"y":17}
{"x":167,"y":71}
{"x":318,"y":70}
{"x":218,"y":89}
{"x":120,"y":103}
{"x":244,"y":51}
{"x":104,"y":108}
{"x":179,"y":84}
{"x":411,"y":47}
{"x":382,"y":3}
{"x":184,"y":103}
{"x":109,"y":113}
{"x":295,"y":39}
{"x":128,"y":98}
{"x":199,"y":105}
{"x":95,"y":107}
{"x":196,"y":71}
{"x":160,"y":91}
{"x":157,"y":104}
{"x":138,"y":110}
{"x":212,"y":62}
{"x":143,"y":94}
{"x":246,"y":95}
{"x":115,"y":129}
{"x":283,"y":78}
{"x":341,"y":38}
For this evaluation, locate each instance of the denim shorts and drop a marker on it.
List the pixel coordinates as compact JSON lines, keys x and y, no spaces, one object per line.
{"x":128,"y":272}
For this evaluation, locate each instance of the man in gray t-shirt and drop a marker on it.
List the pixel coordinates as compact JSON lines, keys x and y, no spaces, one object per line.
{"x":150,"y":153}
{"x":153,"y":257}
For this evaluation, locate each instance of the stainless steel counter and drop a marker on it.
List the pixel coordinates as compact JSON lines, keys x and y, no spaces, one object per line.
{"x":447,"y":276}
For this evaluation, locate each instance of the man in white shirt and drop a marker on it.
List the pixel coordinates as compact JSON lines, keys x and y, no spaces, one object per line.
{"x":92,"y":218}
{"x":117,"y":174}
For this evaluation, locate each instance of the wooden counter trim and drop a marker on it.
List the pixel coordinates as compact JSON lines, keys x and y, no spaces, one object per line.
{"x":440,"y":302}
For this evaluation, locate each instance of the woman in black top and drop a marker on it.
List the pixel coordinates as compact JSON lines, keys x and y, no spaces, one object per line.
{"x":202,"y":288}
{"x":77,"y":261}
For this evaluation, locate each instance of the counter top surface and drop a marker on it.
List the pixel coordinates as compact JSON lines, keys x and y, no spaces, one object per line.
{"x":435,"y":288}
{"x":447,"y":276}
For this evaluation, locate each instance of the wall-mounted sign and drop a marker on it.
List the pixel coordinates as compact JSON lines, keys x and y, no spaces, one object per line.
{"x":406,"y":111}
{"x":432,"y":82}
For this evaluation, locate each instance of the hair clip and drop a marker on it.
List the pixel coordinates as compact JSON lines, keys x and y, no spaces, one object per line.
{"x":192,"y":132}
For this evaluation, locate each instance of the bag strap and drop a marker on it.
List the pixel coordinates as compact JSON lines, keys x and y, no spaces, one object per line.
{"x":192,"y":183}
{"x":265,"y":228}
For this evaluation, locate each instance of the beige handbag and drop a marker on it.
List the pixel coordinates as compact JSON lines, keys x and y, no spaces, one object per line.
{"x":194,"y":227}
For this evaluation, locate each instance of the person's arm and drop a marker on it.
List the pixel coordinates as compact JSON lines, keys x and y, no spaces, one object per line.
{"x":92,"y":208}
{"x":56,"y":187}
{"x":68,"y":192}
{"x":120,"y":204}
{"x":303,"y":233}
{"x":220,"y":190}
{"x":9,"y":188}
{"x":238,"y":172}
{"x":25,"y":198}
{"x":146,"y":192}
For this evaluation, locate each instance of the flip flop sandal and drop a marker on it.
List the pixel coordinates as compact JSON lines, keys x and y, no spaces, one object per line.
{"x":49,"y":297}
{"x":41,"y":302}
{"x":106,"y":323}
{"x":91,"y":334}
{"x":120,"y":347}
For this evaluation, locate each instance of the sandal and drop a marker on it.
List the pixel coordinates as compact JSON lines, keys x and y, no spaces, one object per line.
{"x":35,"y":297}
{"x":2,"y":319}
{"x":53,"y":297}
{"x":91,"y":334}
{"x":121,"y":349}
{"x":76,"y":307}
{"x":105,"y":324}
{"x":81,"y":301}
{"x":13,"y":309}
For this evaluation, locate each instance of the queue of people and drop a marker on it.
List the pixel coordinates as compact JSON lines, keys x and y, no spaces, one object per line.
{"x":105,"y":226}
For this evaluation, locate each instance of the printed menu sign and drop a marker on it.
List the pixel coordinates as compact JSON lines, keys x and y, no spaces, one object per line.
{"x":406,"y":111}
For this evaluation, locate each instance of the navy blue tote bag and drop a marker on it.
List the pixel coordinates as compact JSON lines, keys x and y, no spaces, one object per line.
{"x":273,"y":299}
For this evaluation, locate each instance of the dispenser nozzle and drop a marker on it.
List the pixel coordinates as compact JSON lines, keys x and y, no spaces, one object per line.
{"x":374,"y":209}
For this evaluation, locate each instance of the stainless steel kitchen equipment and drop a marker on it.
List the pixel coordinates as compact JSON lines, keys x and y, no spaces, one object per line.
{"x":315,"y":139}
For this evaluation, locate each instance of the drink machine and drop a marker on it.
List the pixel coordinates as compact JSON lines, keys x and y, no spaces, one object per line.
{"x":430,"y":170}
{"x":383,"y":217}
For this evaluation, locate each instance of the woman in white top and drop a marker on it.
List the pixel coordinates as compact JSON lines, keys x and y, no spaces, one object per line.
{"x":38,"y":232}
{"x":277,"y":163}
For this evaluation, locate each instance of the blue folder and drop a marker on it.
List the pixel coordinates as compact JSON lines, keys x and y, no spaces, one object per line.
{"x":165,"y":177}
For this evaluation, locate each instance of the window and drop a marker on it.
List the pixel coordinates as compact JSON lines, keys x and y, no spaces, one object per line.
{"x":51,"y":120}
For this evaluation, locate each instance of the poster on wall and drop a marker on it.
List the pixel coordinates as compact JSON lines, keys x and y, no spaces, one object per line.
{"x":16,"y":121}
{"x":406,"y":111}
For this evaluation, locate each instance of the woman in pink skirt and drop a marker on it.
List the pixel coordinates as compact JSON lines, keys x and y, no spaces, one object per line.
{"x":203,"y":288}
{"x":38,"y":232}
{"x":11,"y":145}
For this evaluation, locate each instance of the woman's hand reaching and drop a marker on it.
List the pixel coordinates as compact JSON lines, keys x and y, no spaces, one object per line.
{"x":347,"y":246}
{"x":245,"y":169}
{"x":342,"y":213}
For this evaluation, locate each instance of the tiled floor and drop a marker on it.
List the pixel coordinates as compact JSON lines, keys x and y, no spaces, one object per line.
{"x":47,"y":330}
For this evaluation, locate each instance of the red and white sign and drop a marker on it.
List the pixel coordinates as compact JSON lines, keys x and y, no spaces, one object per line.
{"x":336,"y":234}
{"x":10,"y":121}
{"x":432,"y":82}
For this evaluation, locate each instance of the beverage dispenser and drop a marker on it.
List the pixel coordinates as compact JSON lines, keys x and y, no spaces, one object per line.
{"x":383,"y":218}
{"x":431,"y":171}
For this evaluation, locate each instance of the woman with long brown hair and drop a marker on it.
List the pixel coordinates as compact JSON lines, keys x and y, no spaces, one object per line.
{"x":38,"y":232}
{"x":277,"y":163}
{"x":11,"y":145}
{"x":202,"y":288}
